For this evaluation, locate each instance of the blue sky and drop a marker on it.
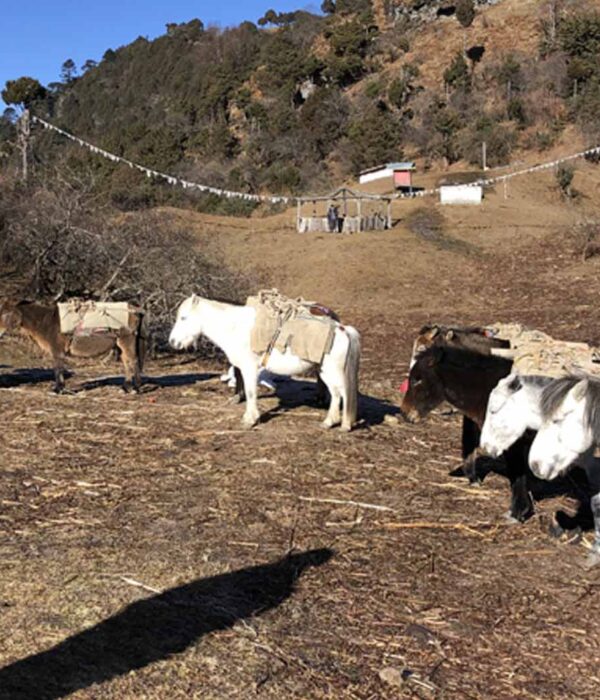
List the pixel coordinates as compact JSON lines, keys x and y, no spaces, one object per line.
{"x":39,"y":35}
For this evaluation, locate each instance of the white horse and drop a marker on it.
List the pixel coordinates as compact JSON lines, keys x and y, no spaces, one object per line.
{"x":514,"y":406}
{"x":569,"y":432}
{"x":570,"y":425}
{"x":229,"y":327}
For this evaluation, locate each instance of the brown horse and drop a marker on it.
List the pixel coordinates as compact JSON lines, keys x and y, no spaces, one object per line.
{"x":42,"y":325}
{"x":465,"y":379}
{"x":473,"y":338}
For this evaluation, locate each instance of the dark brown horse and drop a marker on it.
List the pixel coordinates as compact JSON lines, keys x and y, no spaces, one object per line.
{"x":42,"y":325}
{"x":465,"y":379}
{"x":473,"y":338}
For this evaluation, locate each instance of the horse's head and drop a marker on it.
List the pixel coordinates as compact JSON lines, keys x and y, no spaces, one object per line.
{"x":469,"y":338}
{"x":506,"y":416}
{"x":425,"y":390}
{"x":571,"y":413}
{"x":11,"y":316}
{"x":188,"y":324}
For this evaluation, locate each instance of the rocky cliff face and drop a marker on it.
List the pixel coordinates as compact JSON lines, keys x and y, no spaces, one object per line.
{"x":429,"y":10}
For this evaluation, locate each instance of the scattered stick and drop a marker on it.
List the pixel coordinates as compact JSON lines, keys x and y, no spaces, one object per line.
{"x":138,"y":584}
{"x":339,"y":502}
{"x":434,"y":526}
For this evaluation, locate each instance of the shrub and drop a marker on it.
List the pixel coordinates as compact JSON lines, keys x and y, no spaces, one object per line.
{"x":465,"y":12}
{"x":62,"y":244}
{"x":586,"y":236}
{"x":516,"y":111}
{"x":564,"y":178}
{"x":457,"y":74}
{"x":499,"y":142}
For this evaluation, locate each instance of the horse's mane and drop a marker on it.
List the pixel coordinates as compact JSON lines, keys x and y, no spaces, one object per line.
{"x":226,"y":300}
{"x":536,"y":380}
{"x":466,"y":332}
{"x":458,"y":329}
{"x":554,"y":394}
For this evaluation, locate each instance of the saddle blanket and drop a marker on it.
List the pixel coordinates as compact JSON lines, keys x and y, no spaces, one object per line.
{"x":283,"y":323}
{"x":536,"y":352}
{"x":79,"y":317}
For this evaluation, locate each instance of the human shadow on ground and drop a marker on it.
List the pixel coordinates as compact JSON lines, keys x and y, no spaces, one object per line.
{"x":19,"y":377}
{"x":155,"y":628}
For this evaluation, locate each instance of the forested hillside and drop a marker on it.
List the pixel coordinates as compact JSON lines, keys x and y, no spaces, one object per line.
{"x":298,"y":102}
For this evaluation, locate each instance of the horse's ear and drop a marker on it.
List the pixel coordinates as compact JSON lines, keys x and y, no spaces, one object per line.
{"x":195,"y":299}
{"x":434,"y":330}
{"x":515,"y":383}
{"x":580,"y":389}
{"x":450,"y":335}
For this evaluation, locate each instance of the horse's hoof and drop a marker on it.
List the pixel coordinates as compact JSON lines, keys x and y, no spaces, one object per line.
{"x":249,"y":423}
{"x":235,"y":399}
{"x":592,"y":560}
{"x":327,"y":425}
{"x":555,"y":530}
{"x":345,"y":428}
{"x":475,"y":482}
{"x":510,"y":518}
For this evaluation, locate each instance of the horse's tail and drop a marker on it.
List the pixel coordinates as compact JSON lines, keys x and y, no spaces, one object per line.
{"x":351,"y":368}
{"x":141,"y":342}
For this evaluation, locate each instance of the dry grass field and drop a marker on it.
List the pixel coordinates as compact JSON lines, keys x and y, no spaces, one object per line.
{"x":150,"y":548}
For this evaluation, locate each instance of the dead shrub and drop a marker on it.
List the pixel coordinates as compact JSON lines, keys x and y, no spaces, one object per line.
{"x":58,"y":241}
{"x":586,"y":235}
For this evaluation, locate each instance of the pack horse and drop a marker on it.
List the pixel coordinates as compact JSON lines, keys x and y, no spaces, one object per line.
{"x":81,"y":329}
{"x":237,"y":330}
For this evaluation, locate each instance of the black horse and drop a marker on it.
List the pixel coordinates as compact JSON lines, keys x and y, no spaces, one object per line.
{"x":473,"y":338}
{"x":465,"y":379}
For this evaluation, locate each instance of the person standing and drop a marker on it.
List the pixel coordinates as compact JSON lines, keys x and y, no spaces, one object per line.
{"x":332,"y":218}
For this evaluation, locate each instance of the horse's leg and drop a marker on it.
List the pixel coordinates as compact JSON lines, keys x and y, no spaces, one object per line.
{"x":240,"y":392}
{"x":470,"y":444}
{"x":322,"y":397}
{"x":249,"y":374}
{"x":471,"y":435}
{"x":333,"y":416}
{"x":594,"y":556}
{"x":127,"y":343}
{"x":517,"y":469}
{"x":59,"y":373}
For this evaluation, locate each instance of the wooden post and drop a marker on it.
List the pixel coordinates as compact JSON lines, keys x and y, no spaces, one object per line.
{"x":23,"y":135}
{"x":298,"y":216}
{"x":389,"y":213}
{"x":484,"y":155}
{"x":359,"y":211}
